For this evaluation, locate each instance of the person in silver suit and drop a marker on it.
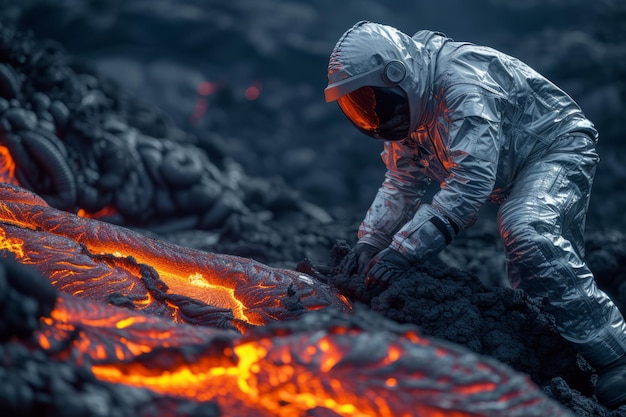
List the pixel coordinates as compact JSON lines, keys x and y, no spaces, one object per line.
{"x":485,"y":126}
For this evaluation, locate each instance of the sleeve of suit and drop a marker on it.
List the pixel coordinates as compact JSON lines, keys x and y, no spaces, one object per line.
{"x":472,"y":128}
{"x":396,"y":200}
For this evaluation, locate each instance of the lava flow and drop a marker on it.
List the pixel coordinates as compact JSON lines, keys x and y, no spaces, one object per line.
{"x":290,"y":361}
{"x":104,"y":262}
{"x":325,"y":363}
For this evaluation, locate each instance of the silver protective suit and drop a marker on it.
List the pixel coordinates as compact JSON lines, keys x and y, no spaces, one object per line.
{"x":487,"y":126}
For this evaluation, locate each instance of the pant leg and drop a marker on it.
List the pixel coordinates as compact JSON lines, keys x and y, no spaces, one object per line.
{"x":541,"y":224}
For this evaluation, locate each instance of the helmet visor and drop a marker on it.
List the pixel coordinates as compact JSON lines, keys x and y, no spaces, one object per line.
{"x":379,"y":112}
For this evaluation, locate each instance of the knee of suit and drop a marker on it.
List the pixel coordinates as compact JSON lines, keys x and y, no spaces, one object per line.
{"x":525,"y":244}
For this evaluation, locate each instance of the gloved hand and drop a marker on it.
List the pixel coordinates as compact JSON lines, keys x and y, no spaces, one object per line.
{"x":384,"y":266}
{"x":357,"y":260}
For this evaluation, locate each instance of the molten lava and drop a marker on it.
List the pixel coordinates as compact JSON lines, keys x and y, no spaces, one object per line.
{"x":7,"y":166}
{"x":101,"y":261}
{"x":323,"y":362}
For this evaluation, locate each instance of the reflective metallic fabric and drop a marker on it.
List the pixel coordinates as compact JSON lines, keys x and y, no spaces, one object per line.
{"x":486,"y":126}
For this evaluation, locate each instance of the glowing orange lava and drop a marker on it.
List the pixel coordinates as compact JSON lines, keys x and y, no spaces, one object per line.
{"x":7,"y":166}
{"x":94,"y":260}
{"x":104,"y":212}
{"x":288,"y":370}
{"x":284,"y":368}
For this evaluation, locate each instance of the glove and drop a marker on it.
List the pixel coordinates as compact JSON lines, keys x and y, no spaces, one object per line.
{"x":384,"y":266}
{"x":358,"y":259}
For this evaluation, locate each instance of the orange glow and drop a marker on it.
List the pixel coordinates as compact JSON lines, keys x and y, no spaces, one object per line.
{"x":207,"y":291}
{"x":92,"y":259}
{"x":285,"y":369}
{"x":472,"y":389}
{"x":44,"y":342}
{"x":206,"y":88}
{"x":13,"y":245}
{"x":393,"y":354}
{"x":360,"y":109}
{"x":7,"y":166}
{"x":103,"y":212}
{"x":438,"y":143}
{"x":199,"y":111}
{"x":252,"y":92}
{"x":281,"y":372}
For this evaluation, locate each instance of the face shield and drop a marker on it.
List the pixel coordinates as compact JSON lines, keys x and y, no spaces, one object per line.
{"x":379,"y":112}
{"x":374,"y":102}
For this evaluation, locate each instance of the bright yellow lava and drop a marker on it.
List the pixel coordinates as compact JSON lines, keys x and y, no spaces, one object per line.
{"x":201,"y":382}
{"x":13,"y":245}
{"x":197,"y":286}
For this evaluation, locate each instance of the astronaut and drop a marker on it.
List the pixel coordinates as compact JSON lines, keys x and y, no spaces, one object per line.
{"x":484,"y":125}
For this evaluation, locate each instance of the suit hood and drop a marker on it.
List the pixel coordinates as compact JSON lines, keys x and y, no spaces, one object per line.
{"x":368,"y":46}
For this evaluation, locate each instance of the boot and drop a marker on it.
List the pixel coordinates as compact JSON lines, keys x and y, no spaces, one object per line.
{"x":611,"y":385}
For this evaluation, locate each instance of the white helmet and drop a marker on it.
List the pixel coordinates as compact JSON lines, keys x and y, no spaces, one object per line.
{"x":380,"y":79}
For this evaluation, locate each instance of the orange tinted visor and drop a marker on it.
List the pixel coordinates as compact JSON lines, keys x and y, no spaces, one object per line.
{"x":360,"y":107}
{"x":379,"y":112}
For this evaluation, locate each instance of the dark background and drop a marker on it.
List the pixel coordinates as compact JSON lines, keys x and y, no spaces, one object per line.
{"x":162,"y":50}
